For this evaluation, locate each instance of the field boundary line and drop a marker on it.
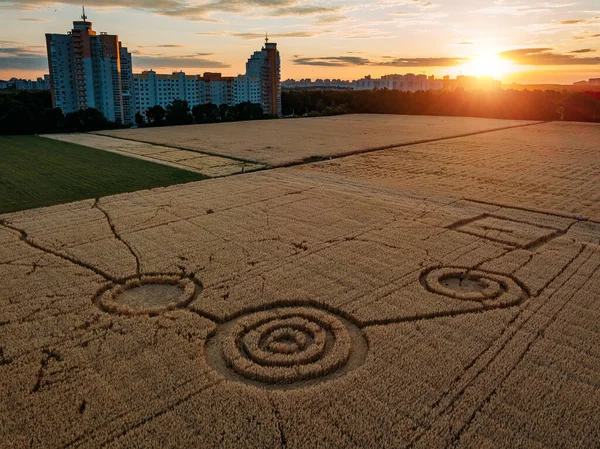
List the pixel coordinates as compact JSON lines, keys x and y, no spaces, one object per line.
{"x":136,"y":156}
{"x":247,"y":161}
{"x":311,"y":159}
{"x":528,"y":209}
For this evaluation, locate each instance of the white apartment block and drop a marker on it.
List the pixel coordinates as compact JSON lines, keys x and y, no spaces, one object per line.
{"x":408,"y":83}
{"x":247,"y":88}
{"x":88,"y":70}
{"x":152,"y":89}
{"x":260,"y":85}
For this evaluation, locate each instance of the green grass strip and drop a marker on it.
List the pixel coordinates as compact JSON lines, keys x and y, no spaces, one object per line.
{"x":36,"y":172}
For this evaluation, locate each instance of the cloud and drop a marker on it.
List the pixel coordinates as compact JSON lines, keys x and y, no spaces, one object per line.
{"x":386,"y":61}
{"x":16,"y":56}
{"x":465,"y":43}
{"x":193,"y":10}
{"x":586,"y":35}
{"x":561,"y":25}
{"x":31,"y":19}
{"x":163,"y":46}
{"x":330,"y":18}
{"x":583,"y":50}
{"x":22,"y":51}
{"x":28,"y":62}
{"x":546,"y":56}
{"x":421,"y":4}
{"x":303,"y":10}
{"x":368,"y":34}
{"x":557,"y":5}
{"x":512,"y":10}
{"x":333,"y":61}
{"x":249,"y":36}
{"x":573,"y":22}
{"x":176,"y":62}
{"x":423,"y":62}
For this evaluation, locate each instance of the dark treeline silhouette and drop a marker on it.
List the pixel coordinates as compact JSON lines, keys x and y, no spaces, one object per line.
{"x":505,"y":104}
{"x":179,"y":113}
{"x":26,"y":112}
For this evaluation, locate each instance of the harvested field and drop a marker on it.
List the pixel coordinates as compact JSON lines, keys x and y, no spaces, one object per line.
{"x":552,"y":166}
{"x":205,"y":164}
{"x":305,"y":308}
{"x":284,"y":142}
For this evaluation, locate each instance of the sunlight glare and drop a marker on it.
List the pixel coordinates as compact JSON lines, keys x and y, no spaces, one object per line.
{"x":487,"y":65}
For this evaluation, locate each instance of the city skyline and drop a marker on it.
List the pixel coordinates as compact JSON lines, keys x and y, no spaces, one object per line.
{"x":528,"y":42}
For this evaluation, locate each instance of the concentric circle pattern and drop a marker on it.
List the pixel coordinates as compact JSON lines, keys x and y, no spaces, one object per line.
{"x":286,"y":345}
{"x":476,"y":285}
{"x":147,"y":295}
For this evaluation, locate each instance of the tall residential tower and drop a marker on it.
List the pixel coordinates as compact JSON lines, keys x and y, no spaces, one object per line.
{"x":266,"y":66}
{"x":88,"y":70}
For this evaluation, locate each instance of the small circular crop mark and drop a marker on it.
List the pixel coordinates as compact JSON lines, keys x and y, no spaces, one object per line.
{"x":286,"y":347}
{"x":147,"y":295}
{"x":473,"y":285}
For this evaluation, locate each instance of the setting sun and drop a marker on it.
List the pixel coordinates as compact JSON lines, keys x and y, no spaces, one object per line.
{"x":487,"y":65}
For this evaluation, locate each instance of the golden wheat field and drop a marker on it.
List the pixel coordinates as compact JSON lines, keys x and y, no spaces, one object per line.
{"x":213,"y":166}
{"x":316,"y":306}
{"x":283,"y":142}
{"x":549,"y":166}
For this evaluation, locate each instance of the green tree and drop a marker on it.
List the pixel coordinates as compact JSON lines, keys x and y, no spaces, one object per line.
{"x":139,"y":119}
{"x":178,"y":113}
{"x":51,"y":120}
{"x":89,"y":119}
{"x":15,"y":118}
{"x":223,"y":112}
{"x":246,"y":111}
{"x":206,"y":113}
{"x":156,"y":115}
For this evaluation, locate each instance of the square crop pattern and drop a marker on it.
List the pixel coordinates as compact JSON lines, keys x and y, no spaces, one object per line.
{"x":509,"y":232}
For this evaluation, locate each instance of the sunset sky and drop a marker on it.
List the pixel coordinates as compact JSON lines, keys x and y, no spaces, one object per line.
{"x":522,"y":41}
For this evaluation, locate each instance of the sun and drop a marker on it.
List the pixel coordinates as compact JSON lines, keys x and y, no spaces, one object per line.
{"x":489,"y":64}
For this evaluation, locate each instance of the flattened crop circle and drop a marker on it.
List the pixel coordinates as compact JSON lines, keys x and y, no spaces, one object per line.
{"x":286,"y":347}
{"x":476,"y":285}
{"x":147,"y":295}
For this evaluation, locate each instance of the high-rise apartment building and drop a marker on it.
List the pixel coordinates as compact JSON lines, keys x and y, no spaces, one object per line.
{"x":88,"y":70}
{"x":153,"y":89}
{"x":260,"y":85}
{"x":217,"y":89}
{"x":265,"y":65}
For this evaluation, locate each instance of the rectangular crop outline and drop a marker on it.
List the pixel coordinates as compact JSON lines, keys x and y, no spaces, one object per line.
{"x":507,"y":231}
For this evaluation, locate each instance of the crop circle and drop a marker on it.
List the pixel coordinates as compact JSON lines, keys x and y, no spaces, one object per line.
{"x":472,"y":285}
{"x":147,"y":295}
{"x":286,"y":347}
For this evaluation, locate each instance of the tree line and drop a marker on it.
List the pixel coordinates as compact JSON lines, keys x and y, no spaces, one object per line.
{"x":179,"y":113}
{"x":503,"y":104}
{"x":26,"y":112}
